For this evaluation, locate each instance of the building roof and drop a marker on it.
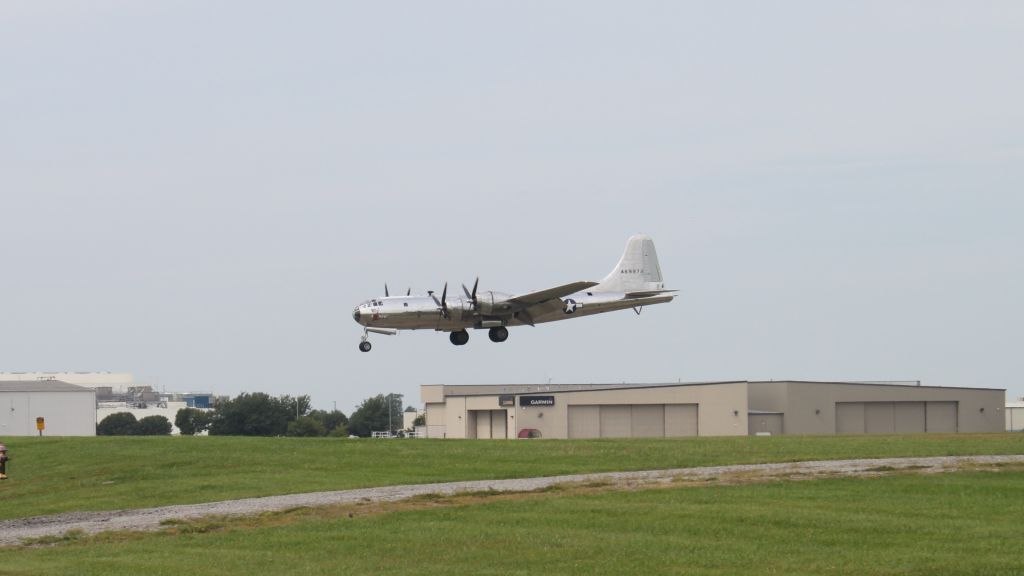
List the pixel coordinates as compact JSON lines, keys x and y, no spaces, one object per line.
{"x":886,"y":383}
{"x":42,"y":386}
{"x":492,"y":389}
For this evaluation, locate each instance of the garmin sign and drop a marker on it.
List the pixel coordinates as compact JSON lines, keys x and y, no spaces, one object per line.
{"x":525,"y":401}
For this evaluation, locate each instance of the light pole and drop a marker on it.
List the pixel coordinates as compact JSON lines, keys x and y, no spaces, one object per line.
{"x":390,"y":429}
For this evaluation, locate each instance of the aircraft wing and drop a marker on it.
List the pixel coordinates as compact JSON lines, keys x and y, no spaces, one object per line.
{"x":540,"y":296}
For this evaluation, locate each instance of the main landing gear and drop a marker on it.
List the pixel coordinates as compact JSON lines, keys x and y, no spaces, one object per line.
{"x":459,"y":337}
{"x":496,"y":334}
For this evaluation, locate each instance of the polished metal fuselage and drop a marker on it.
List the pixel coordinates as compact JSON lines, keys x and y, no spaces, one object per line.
{"x":424,"y":313}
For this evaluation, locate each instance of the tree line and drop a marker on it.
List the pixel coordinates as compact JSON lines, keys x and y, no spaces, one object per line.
{"x":259,"y":414}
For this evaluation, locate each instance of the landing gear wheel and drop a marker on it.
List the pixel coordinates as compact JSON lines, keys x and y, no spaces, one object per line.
{"x":365,"y":346}
{"x":498,"y":334}
{"x":459,"y":337}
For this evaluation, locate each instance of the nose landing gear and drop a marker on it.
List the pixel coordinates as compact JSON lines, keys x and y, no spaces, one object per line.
{"x":364,"y":342}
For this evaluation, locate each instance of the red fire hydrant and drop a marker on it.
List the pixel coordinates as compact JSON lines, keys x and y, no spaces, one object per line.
{"x":3,"y":462}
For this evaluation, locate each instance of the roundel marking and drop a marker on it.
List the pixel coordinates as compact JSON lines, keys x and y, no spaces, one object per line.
{"x":570,"y":306}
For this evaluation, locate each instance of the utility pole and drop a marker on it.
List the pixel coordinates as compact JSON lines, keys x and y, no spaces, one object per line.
{"x":390,"y":428}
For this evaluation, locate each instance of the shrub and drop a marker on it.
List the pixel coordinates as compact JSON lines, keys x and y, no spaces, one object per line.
{"x":118,"y":424}
{"x":153,"y":426}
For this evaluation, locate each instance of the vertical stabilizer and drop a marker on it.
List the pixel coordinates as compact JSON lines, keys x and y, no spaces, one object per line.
{"x":637,"y":270}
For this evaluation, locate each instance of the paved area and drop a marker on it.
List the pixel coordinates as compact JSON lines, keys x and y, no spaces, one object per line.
{"x":14,"y":531}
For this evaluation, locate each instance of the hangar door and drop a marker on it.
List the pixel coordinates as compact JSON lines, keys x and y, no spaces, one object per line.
{"x":488,"y":424}
{"x":632,"y":420}
{"x":895,"y":417}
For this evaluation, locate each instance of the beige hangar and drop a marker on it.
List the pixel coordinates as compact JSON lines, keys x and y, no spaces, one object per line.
{"x":706,"y":409}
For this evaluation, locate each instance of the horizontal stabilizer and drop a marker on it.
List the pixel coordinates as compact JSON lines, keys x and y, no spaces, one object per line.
{"x":648,"y":293}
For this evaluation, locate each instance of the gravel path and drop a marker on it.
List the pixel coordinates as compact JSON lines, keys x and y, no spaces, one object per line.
{"x":14,"y":531}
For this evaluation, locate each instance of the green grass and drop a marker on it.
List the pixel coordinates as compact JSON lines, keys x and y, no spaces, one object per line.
{"x":50,"y":475}
{"x":955,"y":523}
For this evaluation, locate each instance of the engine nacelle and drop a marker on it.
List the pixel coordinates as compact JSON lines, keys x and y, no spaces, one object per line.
{"x":494,"y":303}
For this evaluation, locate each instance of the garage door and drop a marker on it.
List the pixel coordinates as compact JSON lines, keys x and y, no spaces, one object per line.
{"x":885,"y":417}
{"x":616,"y":421}
{"x":941,"y":417}
{"x":878,"y":418}
{"x":770,"y":424}
{"x":849,"y":418}
{"x":648,"y":421}
{"x":908,"y":417}
{"x":680,"y":420}
{"x":499,"y":423}
{"x":584,"y":421}
{"x":632,"y":421}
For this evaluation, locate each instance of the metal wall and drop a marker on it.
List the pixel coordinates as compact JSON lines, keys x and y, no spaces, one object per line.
{"x":716,"y":409}
{"x":713,"y":409}
{"x":854,"y":408}
{"x":66,"y":413}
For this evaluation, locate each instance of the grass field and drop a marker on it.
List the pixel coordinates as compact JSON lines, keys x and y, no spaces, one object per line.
{"x":954,"y":523}
{"x":51,"y":475}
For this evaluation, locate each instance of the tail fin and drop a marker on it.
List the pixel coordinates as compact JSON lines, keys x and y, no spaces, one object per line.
{"x":637,"y":270}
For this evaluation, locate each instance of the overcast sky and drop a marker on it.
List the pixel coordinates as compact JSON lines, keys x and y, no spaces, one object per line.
{"x":200,"y":192}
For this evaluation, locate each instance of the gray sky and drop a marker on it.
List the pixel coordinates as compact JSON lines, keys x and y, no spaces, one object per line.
{"x":200,"y":192}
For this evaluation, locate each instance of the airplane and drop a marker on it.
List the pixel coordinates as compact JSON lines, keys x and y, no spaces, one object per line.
{"x":635,"y":282}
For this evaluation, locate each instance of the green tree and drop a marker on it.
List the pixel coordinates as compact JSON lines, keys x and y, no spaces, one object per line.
{"x":192,"y":421}
{"x":155,"y":425}
{"x":306,"y":426}
{"x":118,"y":424}
{"x":255,"y":414}
{"x":331,"y":420}
{"x":372,"y":415}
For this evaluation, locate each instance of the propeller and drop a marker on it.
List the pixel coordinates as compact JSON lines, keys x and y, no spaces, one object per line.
{"x":408,"y":291}
{"x":472,"y":296}
{"x":443,"y":302}
{"x":386,"y":290}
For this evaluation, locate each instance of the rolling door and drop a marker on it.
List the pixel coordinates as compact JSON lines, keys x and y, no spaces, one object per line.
{"x":894,"y":417}
{"x":680,"y":420}
{"x":648,"y":421}
{"x":616,"y":421}
{"x":770,"y":424}
{"x":941,"y":416}
{"x":584,"y":421}
{"x":499,"y":423}
{"x":632,"y":420}
{"x":849,"y":418}
{"x":483,"y":423}
{"x":878,"y":418}
{"x":908,"y":417}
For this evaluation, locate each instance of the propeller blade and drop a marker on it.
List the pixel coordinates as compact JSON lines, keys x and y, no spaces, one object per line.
{"x":386,"y":290}
{"x":444,"y":303}
{"x":466,"y":290}
{"x":475,"y":283}
{"x":408,"y":291}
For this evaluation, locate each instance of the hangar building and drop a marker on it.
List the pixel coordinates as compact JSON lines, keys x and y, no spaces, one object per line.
{"x":68,"y":410}
{"x":707,"y":409}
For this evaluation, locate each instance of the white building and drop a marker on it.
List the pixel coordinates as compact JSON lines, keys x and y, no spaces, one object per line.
{"x":115,"y":392}
{"x":1015,"y":416}
{"x":67,"y":410}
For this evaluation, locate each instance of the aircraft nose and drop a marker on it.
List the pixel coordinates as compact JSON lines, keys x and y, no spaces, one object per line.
{"x":356,"y":315}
